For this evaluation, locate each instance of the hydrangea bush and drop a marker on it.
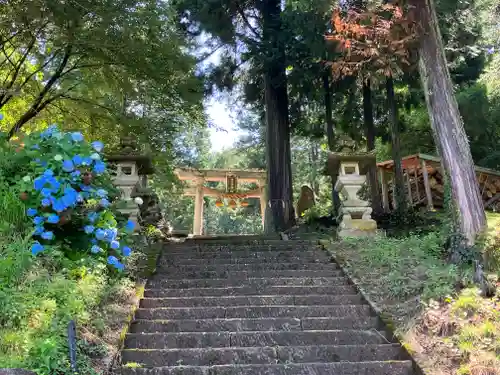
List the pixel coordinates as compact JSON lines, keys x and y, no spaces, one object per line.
{"x":68,"y":194}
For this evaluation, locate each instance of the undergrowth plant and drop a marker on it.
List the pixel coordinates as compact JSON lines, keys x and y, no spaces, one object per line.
{"x":61,"y":242}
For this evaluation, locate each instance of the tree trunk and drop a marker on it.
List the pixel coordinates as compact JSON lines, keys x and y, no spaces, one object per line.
{"x":447,"y":124}
{"x":327,"y":89}
{"x":279,"y":168}
{"x":399,"y":182}
{"x":330,"y":133}
{"x":370,"y":146}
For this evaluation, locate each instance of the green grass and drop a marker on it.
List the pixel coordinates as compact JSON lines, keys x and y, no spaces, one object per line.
{"x":430,"y":303}
{"x":492,"y":243}
{"x":401,"y":268}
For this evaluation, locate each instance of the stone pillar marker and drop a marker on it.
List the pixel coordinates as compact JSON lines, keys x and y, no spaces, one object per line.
{"x":351,"y":167}
{"x":130,"y":166}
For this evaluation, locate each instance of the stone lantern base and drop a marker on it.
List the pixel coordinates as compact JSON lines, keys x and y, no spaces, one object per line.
{"x":356,"y":220}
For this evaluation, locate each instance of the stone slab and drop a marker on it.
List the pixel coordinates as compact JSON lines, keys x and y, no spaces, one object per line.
{"x":250,"y":290}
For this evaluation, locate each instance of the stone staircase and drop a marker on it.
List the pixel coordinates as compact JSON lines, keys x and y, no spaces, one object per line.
{"x":239,"y":307}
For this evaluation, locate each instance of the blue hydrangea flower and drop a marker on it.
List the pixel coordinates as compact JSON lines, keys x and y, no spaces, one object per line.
{"x":48,"y":173}
{"x":100,"y":234}
{"x":39,"y":183}
{"x":76,"y":174}
{"x":112,"y":260}
{"x":101,"y":193}
{"x":46,"y":202}
{"x":95,"y":156}
{"x":88,"y":229}
{"x":114,"y":245}
{"x":126,"y":251}
{"x":110,"y":235}
{"x":35,"y":147}
{"x":48,"y":235}
{"x":31,"y":212}
{"x":99,"y":167}
{"x":37,"y":248}
{"x":130,"y":226}
{"x":95,"y":249}
{"x":77,"y":160}
{"x":38,"y":220}
{"x":38,"y":230}
{"x":1,"y":117}
{"x":77,"y":137}
{"x":68,"y":166}
{"x":97,"y":145}
{"x":53,"y":219}
{"x":87,"y":161}
{"x":70,"y":197}
{"x":46,"y":192}
{"x":93,"y":216}
{"x":93,"y":241}
{"x":119,"y":266}
{"x":58,"y":205}
{"x":104,"y":202}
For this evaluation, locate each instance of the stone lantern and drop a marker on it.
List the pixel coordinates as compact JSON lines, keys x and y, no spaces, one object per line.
{"x":348,"y":169}
{"x":131,"y":166}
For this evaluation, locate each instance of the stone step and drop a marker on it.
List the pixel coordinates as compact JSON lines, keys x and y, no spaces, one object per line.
{"x":235,"y":250}
{"x":253,"y":324}
{"x":285,"y":254}
{"x":232,"y":267}
{"x":251,"y":339}
{"x":250,"y":290}
{"x":201,"y":274}
{"x":173,"y":262}
{"x":221,"y":283}
{"x":338,"y":368}
{"x":262,"y":355}
{"x":254,"y":312}
{"x":349,"y":299}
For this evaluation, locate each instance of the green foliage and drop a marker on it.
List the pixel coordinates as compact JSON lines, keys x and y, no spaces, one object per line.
{"x":410,"y":266}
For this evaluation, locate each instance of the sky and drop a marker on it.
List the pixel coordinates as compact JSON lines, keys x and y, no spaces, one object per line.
{"x":225,"y":132}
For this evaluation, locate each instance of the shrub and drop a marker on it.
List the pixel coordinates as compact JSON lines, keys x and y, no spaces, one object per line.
{"x":67,"y":191}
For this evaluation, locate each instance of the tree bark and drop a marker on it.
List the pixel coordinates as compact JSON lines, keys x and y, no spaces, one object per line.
{"x":399,"y":182}
{"x":279,"y":168}
{"x":330,"y":134}
{"x":370,"y":146}
{"x":447,"y":124}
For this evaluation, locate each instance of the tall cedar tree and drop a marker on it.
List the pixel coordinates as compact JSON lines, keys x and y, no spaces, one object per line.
{"x":279,"y":168}
{"x":447,"y":124}
{"x":257,"y":27}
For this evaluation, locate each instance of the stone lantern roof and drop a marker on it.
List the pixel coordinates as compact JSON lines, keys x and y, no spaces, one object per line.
{"x":129,"y":153}
{"x":347,"y":153}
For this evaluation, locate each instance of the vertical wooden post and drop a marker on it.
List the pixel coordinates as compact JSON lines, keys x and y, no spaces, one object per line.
{"x":394,"y":203}
{"x":385,"y":189}
{"x":416,"y":184}
{"x":198,"y":209}
{"x":427,"y":186}
{"x":408,"y":184}
{"x":263,"y":201}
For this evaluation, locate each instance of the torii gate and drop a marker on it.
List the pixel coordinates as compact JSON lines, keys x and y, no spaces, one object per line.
{"x":196,"y":188}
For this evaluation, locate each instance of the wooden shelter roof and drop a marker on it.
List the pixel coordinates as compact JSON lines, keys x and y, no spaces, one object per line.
{"x":244,"y":175}
{"x":413,"y":161}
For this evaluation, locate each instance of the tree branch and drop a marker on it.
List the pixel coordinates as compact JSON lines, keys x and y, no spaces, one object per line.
{"x":20,"y":63}
{"x":245,"y":20}
{"x":87,"y":101}
{"x":39,"y":103}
